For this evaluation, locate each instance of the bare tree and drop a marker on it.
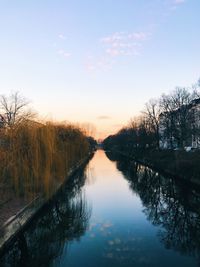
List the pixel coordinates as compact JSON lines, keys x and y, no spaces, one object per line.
{"x":196,"y":90}
{"x":152,"y":112}
{"x":14,"y":109}
{"x":176,"y":115}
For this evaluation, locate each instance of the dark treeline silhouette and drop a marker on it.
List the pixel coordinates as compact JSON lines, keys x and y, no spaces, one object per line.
{"x":65,"y":219}
{"x":162,"y":136}
{"x":169,"y":204}
{"x":172,"y":121}
{"x":92,"y":143}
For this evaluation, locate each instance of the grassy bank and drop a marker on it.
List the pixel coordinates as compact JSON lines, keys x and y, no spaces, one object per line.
{"x":36,"y":157}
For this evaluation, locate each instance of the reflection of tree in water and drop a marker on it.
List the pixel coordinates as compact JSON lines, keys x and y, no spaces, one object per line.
{"x":45,"y":239}
{"x":173,"y":206}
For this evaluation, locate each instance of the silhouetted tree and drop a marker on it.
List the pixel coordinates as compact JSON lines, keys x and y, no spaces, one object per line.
{"x":14,"y":109}
{"x":152,"y":112}
{"x":177,"y":116}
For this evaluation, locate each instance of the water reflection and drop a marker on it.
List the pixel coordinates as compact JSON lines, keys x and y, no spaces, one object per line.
{"x":134,"y":212}
{"x":65,"y":219}
{"x":171,"y":205}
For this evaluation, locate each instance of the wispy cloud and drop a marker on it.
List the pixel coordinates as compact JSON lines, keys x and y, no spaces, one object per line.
{"x":103,"y":117}
{"x":61,"y":36}
{"x":123,"y":36}
{"x":178,"y":2}
{"x":64,"y":53}
{"x":124,"y":43}
{"x":118,"y":44}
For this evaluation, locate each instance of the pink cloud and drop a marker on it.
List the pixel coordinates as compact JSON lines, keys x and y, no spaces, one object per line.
{"x":124,"y":43}
{"x":118,"y":44}
{"x":178,"y":2}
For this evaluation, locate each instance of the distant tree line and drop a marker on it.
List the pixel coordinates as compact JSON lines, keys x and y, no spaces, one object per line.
{"x":173,"y":119}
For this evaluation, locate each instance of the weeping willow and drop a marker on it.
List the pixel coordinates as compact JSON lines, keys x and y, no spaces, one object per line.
{"x":37,"y":157}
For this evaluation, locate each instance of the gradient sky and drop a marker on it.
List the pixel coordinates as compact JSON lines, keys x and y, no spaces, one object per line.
{"x":97,"y":62}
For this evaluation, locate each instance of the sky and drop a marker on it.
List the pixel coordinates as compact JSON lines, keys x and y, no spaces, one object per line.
{"x":97,"y":62}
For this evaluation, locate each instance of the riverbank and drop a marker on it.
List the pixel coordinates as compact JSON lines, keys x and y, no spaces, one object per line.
{"x":23,"y":216}
{"x":179,"y":164}
{"x":10,"y":204}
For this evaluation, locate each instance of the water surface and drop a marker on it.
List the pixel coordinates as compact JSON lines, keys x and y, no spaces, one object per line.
{"x":116,"y":213}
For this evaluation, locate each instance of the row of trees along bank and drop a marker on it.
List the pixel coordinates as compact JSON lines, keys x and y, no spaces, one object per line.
{"x":174,"y":117}
{"x":36,"y":157}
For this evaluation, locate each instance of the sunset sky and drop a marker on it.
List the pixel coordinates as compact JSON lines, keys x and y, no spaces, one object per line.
{"x":97,"y":61}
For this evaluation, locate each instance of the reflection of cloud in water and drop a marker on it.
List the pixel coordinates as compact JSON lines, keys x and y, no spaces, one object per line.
{"x":105,"y":229}
{"x":107,"y":225}
{"x":116,"y":241}
{"x":126,"y":250}
{"x":99,"y":227}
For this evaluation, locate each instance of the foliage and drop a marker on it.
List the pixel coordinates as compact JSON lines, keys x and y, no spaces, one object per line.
{"x":36,"y":157}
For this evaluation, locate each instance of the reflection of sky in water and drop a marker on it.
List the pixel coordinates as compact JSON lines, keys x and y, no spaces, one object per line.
{"x":119,"y":233}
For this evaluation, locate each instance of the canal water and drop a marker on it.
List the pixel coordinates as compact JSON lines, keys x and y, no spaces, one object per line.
{"x":115,"y":213}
